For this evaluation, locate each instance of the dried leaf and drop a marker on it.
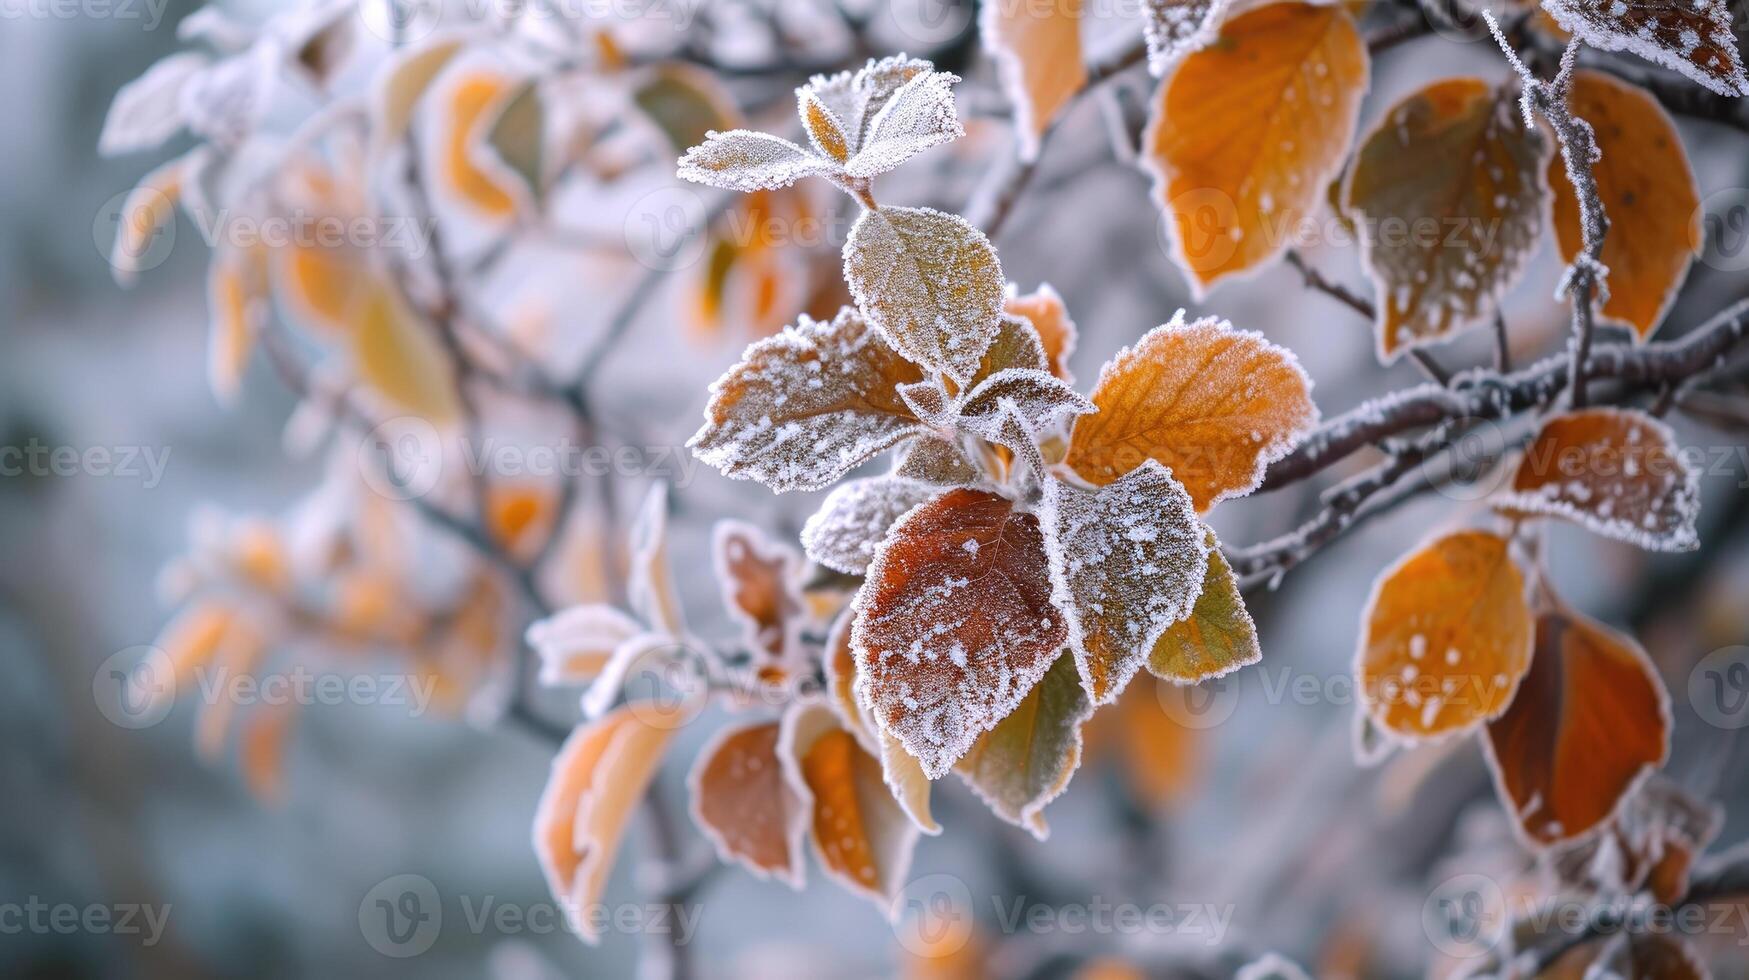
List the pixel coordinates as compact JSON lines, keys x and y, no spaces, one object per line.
{"x":1590,"y":720}
{"x":761,"y":585}
{"x":804,"y":407}
{"x":906,"y":780}
{"x":1693,"y":37}
{"x":743,"y":803}
{"x":844,"y":533}
{"x":1447,"y":635}
{"x":1451,"y":182}
{"x":599,"y":775}
{"x":650,"y":587}
{"x":954,"y":623}
{"x":1026,"y":760}
{"x":1017,"y":345}
{"x":1239,"y":168}
{"x":1044,"y":309}
{"x":1126,"y":563}
{"x":148,"y":110}
{"x":1213,"y":404}
{"x":930,"y":281}
{"x":744,"y":160}
{"x":1037,"y":48}
{"x":858,"y":831}
{"x":1648,"y":191}
{"x":1615,"y":472}
{"x":575,"y":645}
{"x":1174,"y":28}
{"x":1217,"y":638}
{"x":473,"y":100}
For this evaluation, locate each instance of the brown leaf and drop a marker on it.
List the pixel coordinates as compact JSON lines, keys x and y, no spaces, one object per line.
{"x":1613,"y":471}
{"x":1648,"y":192}
{"x":1448,"y":189}
{"x":1447,"y":636}
{"x":761,"y":585}
{"x":804,"y":407}
{"x":1590,"y":719}
{"x":1213,"y":404}
{"x":955,"y":623}
{"x":743,"y":803}
{"x":1045,"y":310}
{"x":1239,"y":167}
{"x":1693,"y":37}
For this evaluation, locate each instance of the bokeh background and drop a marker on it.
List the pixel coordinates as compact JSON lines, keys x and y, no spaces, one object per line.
{"x":1314,"y":855}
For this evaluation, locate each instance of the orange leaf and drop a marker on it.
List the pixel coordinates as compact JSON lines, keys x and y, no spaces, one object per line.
{"x":1213,"y":404}
{"x":398,"y":354}
{"x":1037,"y":48}
{"x":146,"y":210}
{"x":474,"y":101}
{"x":1045,"y":310}
{"x":955,"y":623}
{"x":1648,"y":192}
{"x":858,"y":831}
{"x":1447,"y":637}
{"x":1449,"y":190}
{"x":598,"y":777}
{"x":1589,"y":721}
{"x":1247,"y":132}
{"x":1616,"y":472}
{"x":742,"y":802}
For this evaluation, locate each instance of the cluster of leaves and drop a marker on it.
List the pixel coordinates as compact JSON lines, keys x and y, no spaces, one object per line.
{"x":1029,"y":552}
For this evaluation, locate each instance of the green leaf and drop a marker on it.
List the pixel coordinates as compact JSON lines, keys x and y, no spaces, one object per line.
{"x":1217,"y":637}
{"x":517,"y":137}
{"x":1027,"y":759}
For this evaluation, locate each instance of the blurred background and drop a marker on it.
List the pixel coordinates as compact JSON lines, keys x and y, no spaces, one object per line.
{"x":1255,"y":806}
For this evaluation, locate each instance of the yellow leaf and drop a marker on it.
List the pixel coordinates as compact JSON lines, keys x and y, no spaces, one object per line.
{"x":1038,"y":56}
{"x":1217,"y":638}
{"x":1213,"y":404}
{"x":598,"y":777}
{"x":1448,"y":190}
{"x":1446,"y":638}
{"x":1648,"y":192}
{"x":396,"y":353}
{"x":1247,"y":132}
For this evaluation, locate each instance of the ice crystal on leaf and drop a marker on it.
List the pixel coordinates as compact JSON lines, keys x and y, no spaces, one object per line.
{"x":761,"y":583}
{"x":1127,"y":562}
{"x":1693,"y":37}
{"x":931,"y":282}
{"x":743,"y":160}
{"x":1038,"y":398}
{"x":855,"y":518}
{"x":1026,"y":761}
{"x":954,"y":624}
{"x":1174,"y":28}
{"x":919,"y":115}
{"x":804,"y":407}
{"x":937,"y":461}
{"x":1217,"y":638}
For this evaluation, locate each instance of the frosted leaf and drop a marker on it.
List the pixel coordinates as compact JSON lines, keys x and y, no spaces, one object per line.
{"x":608,"y":688}
{"x":760,"y":582}
{"x":148,"y":110}
{"x":856,"y":98}
{"x":805,"y":406}
{"x":918,"y":116}
{"x":1126,"y":563}
{"x":1037,"y":49}
{"x":929,"y":400}
{"x":1026,"y":760}
{"x":825,"y":130}
{"x":575,"y":645}
{"x":954,"y":624}
{"x":1615,"y":472}
{"x":937,"y":461}
{"x":1217,"y":638}
{"x":856,"y":517}
{"x":861,"y":835}
{"x":931,"y":282}
{"x":223,"y":102}
{"x":1039,"y":399}
{"x":1693,"y":37}
{"x":1214,"y":405}
{"x":1017,"y":345}
{"x":743,"y":160}
{"x":650,"y":585}
{"x":742,"y":802}
{"x":1049,"y":317}
{"x":1456,"y":171}
{"x":1175,"y":28}
{"x":906,"y":780}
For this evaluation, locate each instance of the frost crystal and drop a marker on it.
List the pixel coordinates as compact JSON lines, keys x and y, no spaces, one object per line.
{"x":1175,"y":28}
{"x":931,"y":282}
{"x":804,"y":407}
{"x":1038,"y":398}
{"x":1126,"y":563}
{"x":918,"y":116}
{"x":856,"y":517}
{"x":936,"y":461}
